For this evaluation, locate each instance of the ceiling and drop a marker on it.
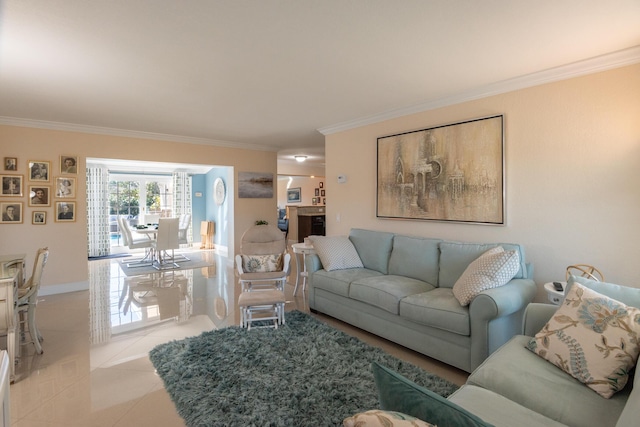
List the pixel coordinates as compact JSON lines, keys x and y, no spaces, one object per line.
{"x":270,"y":74}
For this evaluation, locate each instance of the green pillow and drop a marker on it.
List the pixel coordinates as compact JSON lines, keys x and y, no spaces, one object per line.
{"x":397,"y":393}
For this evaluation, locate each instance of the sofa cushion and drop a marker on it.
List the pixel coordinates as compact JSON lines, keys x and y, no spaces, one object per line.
{"x":336,"y":252}
{"x":338,"y":281}
{"x":456,"y":256}
{"x":492,"y":269}
{"x":379,"y":418}
{"x":415,"y":257}
{"x":386,"y":291}
{"x":631,"y":412}
{"x":497,"y":409}
{"x":437,"y":308}
{"x":521,"y":376}
{"x":625,"y":294}
{"x":593,"y":338}
{"x":397,"y":393}
{"x":374,"y":248}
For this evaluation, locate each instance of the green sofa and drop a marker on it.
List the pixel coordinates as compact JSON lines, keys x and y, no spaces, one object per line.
{"x":403,"y":293}
{"x":516,"y":387}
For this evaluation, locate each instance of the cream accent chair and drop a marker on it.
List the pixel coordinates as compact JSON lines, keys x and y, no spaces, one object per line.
{"x":262,"y":297}
{"x":28,"y":299}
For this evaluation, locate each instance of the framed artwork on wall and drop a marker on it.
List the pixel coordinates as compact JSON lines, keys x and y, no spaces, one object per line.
{"x":69,"y":164}
{"x":65,"y":187}
{"x":39,"y":218}
{"x":255,"y":185}
{"x":39,"y":170}
{"x":11,"y":185}
{"x":11,"y":164}
{"x":294,"y":195}
{"x":65,"y":211}
{"x":452,"y":173}
{"x":11,"y":212}
{"x":39,"y":195}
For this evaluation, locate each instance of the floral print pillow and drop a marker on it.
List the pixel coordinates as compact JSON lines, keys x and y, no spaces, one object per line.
{"x":593,"y":338}
{"x":262,"y":263}
{"x":378,"y":418}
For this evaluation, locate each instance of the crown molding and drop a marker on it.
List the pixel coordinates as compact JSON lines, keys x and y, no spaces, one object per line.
{"x":605,"y":62}
{"x":97,"y":130}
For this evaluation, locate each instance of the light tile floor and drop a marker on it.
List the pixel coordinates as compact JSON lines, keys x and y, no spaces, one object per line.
{"x":95,"y":370}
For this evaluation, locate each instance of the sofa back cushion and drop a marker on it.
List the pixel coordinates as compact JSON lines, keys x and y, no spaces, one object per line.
{"x":415,"y":257}
{"x":373,"y":247}
{"x":455,"y":257}
{"x":627,"y":295}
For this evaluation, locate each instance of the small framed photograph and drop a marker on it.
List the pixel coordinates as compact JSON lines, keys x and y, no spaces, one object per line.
{"x":39,"y":170}
{"x":69,"y":164}
{"x":65,"y":187}
{"x":39,"y":195}
{"x":39,"y":218}
{"x":314,"y":200}
{"x":324,"y":201}
{"x":322,"y":193}
{"x":321,"y":184}
{"x":317,"y":192}
{"x":11,"y":212}
{"x":65,"y":211}
{"x":11,"y":185}
{"x":11,"y":164}
{"x":294,"y":195}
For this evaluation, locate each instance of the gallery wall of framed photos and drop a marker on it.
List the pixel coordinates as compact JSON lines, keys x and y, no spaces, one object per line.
{"x":39,"y":191}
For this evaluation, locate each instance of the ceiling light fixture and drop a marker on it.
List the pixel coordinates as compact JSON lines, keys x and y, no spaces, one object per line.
{"x":300,"y":158}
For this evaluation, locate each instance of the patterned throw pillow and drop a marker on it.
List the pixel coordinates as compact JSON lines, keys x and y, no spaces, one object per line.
{"x":378,"y":418}
{"x":490,"y":270}
{"x":593,"y":338}
{"x":262,"y":263}
{"x":336,"y":252}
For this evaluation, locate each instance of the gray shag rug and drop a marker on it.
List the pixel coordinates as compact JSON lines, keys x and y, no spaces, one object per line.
{"x":305,"y":373}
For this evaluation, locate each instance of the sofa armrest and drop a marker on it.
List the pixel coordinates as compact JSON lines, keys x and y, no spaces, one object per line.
{"x":502,"y":301}
{"x":536,"y":316}
{"x":313,"y":263}
{"x":496,"y":316}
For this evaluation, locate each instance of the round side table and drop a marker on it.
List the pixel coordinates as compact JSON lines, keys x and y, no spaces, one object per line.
{"x":556,"y":297}
{"x":303,"y":249}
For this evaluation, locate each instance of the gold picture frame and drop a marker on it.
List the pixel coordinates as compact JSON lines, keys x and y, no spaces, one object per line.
{"x":39,"y":170}
{"x":39,"y":195}
{"x":11,"y":212}
{"x":451,"y":173}
{"x":11,"y":185}
{"x":11,"y":164}
{"x":69,"y":165}
{"x":65,"y":187}
{"x":65,"y":211}
{"x":39,"y":217}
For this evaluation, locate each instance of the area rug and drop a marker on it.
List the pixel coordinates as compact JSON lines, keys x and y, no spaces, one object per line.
{"x":196,"y":260}
{"x":305,"y":373}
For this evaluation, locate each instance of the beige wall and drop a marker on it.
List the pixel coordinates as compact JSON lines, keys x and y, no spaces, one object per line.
{"x":572,"y":174}
{"x":307,"y":187}
{"x":68,"y":241}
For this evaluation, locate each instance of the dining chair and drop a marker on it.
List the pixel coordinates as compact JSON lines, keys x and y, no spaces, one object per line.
{"x":183,"y":229}
{"x":28,"y":300}
{"x":138,"y":243}
{"x":166,"y":240}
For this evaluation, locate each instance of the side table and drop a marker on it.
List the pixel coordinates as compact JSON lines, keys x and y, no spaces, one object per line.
{"x":303,"y":249}
{"x":556,"y":297}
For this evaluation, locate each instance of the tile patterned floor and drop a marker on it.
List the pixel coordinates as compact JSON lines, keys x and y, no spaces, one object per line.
{"x":95,"y":370}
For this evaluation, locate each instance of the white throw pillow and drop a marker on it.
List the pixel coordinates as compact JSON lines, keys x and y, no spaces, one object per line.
{"x":262,"y":263}
{"x":336,"y":252}
{"x":490,"y":270}
{"x":593,"y":338}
